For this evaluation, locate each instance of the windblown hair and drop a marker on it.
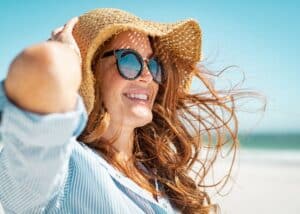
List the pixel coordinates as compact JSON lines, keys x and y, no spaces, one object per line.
{"x":171,"y":146}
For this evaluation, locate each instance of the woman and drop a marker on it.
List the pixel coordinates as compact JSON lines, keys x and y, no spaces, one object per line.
{"x":129,"y":141}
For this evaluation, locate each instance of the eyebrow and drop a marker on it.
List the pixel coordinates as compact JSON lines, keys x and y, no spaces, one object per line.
{"x":108,"y":53}
{"x":111,"y":52}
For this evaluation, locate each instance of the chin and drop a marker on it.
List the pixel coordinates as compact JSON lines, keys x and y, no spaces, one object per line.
{"x":138,"y":121}
{"x":145,"y":122}
{"x":139,"y":116}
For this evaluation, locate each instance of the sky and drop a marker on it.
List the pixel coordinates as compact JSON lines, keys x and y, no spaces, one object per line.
{"x":260,"y":37}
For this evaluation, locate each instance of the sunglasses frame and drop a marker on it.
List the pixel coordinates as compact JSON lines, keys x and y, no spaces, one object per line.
{"x":118,"y":52}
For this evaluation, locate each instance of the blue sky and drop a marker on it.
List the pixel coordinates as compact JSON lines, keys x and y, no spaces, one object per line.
{"x":261,"y":37}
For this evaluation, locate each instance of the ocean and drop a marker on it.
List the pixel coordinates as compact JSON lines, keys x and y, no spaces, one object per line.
{"x":265,"y":141}
{"x":266,"y":148}
{"x":278,"y":149}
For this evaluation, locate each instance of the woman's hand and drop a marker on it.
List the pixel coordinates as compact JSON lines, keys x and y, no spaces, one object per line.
{"x":45,"y":77}
{"x":64,"y":35}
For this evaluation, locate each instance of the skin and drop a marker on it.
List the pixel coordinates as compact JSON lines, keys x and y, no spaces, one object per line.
{"x":44,"y":78}
{"x":126,"y":113}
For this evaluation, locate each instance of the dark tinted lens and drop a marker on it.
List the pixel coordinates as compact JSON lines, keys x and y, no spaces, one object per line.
{"x":129,"y":64}
{"x":155,"y":70}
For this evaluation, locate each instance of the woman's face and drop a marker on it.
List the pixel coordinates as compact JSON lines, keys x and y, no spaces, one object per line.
{"x":129,"y":102}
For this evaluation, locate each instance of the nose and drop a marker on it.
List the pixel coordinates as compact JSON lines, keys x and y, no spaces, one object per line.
{"x":146,"y":75}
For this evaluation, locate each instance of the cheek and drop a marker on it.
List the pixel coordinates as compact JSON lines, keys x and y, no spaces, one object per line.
{"x":112,"y":86}
{"x":156,"y":87}
{"x":108,"y":77}
{"x":115,"y":83}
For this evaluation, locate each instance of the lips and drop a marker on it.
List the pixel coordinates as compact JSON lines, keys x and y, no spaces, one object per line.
{"x":144,"y":97}
{"x":138,"y":95}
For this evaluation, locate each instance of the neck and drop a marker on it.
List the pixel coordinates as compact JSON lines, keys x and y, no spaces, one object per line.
{"x":123,"y":139}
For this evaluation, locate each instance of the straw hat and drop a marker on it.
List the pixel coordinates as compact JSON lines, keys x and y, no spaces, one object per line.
{"x":180,"y":41}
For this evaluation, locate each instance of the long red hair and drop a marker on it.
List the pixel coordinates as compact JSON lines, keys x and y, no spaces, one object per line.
{"x":170,"y":147}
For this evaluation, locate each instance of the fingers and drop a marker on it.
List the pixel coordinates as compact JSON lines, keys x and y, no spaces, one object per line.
{"x":56,"y":31}
{"x":70,"y":24}
{"x":64,"y":34}
{"x":67,"y":28}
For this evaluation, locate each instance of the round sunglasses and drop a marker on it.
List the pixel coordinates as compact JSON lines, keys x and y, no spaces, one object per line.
{"x":130,"y":64}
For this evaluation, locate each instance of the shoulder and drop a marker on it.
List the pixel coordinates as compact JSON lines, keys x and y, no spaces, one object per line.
{"x":87,"y":158}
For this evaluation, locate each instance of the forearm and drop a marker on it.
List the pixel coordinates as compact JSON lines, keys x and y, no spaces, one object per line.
{"x":35,"y":154}
{"x":44,"y":78}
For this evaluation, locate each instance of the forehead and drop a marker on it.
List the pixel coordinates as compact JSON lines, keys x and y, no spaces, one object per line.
{"x":133,"y":40}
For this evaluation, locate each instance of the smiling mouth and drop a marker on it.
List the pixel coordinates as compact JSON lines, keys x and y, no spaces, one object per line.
{"x":137,"y":97}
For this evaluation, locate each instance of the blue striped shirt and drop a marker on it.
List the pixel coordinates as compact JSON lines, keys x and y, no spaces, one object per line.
{"x":44,"y":169}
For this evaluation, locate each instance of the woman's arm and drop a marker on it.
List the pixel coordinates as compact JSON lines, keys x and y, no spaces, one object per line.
{"x":44,"y":78}
{"x":41,"y":116}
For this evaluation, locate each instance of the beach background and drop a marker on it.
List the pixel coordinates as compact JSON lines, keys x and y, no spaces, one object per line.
{"x":265,"y":178}
{"x":261,"y":38}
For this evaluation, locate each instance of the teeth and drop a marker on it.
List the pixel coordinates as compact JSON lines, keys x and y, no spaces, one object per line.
{"x":138,"y":96}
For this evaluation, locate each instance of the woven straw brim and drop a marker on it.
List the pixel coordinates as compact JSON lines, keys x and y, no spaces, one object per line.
{"x":179,"y":41}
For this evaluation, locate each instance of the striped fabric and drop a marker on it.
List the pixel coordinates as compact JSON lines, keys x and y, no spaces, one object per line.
{"x":44,"y":169}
